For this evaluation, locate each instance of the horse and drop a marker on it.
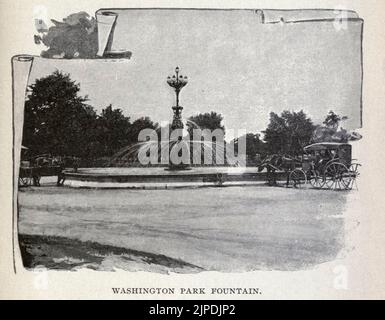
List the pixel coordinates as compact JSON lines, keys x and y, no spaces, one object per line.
{"x":278,"y":162}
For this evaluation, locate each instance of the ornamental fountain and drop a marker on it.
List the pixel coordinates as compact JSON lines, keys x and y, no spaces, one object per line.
{"x":176,"y":174}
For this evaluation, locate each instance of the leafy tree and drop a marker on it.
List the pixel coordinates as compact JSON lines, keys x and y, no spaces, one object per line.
{"x":209,"y":121}
{"x":254,"y":146}
{"x":288,"y":133}
{"x":112,"y":132}
{"x":57,"y":120}
{"x":138,"y":125}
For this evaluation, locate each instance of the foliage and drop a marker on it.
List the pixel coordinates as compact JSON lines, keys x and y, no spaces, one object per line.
{"x":207,"y":120}
{"x":57,"y":120}
{"x":332,"y":131}
{"x":333,"y":120}
{"x":211,"y":121}
{"x":255,"y":147}
{"x":111,"y":132}
{"x":288,"y":133}
{"x":140,"y":124}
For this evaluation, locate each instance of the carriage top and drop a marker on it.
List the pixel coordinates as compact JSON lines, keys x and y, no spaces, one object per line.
{"x":331,"y":151}
{"x":327,"y":146}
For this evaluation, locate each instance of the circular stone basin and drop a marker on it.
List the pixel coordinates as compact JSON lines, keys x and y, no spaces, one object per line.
{"x":158,"y":177}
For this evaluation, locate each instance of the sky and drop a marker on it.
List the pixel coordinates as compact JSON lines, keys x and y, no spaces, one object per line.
{"x":236,"y":66}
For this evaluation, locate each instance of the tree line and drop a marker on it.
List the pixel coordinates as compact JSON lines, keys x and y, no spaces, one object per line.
{"x":59,"y":121}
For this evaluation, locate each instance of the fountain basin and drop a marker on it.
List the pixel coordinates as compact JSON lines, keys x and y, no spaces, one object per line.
{"x":159,"y":178}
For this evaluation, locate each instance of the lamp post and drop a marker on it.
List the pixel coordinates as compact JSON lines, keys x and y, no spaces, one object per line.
{"x":177,"y":81}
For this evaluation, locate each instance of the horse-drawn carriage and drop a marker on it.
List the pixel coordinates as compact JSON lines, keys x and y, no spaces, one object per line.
{"x":326,"y":165}
{"x":323,"y":165}
{"x":32,"y":170}
{"x":45,"y":165}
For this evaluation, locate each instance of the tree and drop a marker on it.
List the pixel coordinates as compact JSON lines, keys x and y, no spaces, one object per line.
{"x":57,"y":120}
{"x":112,"y":132}
{"x":288,"y":133}
{"x":207,"y":120}
{"x":254,"y":146}
{"x":138,"y":125}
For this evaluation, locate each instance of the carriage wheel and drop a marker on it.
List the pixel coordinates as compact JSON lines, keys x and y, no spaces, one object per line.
{"x":353,"y":169}
{"x":316,"y":180}
{"x":337,"y":176}
{"x":297,"y":178}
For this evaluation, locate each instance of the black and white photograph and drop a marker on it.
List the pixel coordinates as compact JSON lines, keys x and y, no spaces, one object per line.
{"x":183,"y":141}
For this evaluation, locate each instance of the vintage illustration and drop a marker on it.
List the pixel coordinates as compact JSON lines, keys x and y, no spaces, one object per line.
{"x":187,"y":140}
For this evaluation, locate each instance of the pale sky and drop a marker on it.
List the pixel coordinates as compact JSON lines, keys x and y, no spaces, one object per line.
{"x":236,"y":66}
